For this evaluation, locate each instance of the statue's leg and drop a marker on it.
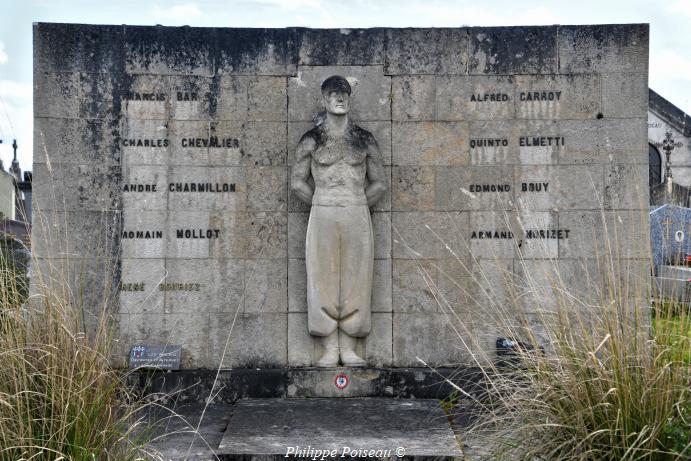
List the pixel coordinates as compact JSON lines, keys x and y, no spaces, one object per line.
{"x":357,"y":259}
{"x":322,"y":259}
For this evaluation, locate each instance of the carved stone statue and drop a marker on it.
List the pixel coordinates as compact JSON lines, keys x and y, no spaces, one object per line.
{"x":345,"y":164}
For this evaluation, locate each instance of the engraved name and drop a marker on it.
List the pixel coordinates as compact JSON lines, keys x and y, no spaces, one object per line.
{"x":213,"y":141}
{"x":201,"y":187}
{"x":540,"y":96}
{"x":133,"y":96}
{"x":488,"y":142}
{"x":534,"y":186}
{"x":489,"y":97}
{"x":175,"y":286}
{"x":541,"y":141}
{"x":131,"y":286}
{"x":505,"y":235}
{"x":490,"y":187}
{"x":145,"y":142}
{"x":557,"y":234}
{"x":139,"y":188}
{"x":186,"y":96}
{"x":140,"y":234}
{"x":197,"y":233}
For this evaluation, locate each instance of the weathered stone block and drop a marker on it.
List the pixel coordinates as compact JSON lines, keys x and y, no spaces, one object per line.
{"x":475,"y":97}
{"x":249,"y":340}
{"x":76,"y":141}
{"x":231,"y":97}
{"x":205,"y":188}
{"x":415,"y":288}
{"x":381,"y":286}
{"x":493,"y":235}
{"x":78,"y":47}
{"x":604,"y":141}
{"x":341,"y":47}
{"x":231,"y":141}
{"x":379,"y":343}
{"x":192,"y":97}
{"x":255,"y":51}
{"x":98,"y":96}
{"x":429,"y":235}
{"x":442,"y":346}
{"x":413,"y":188}
{"x":204,"y":285}
{"x":610,"y":234}
{"x":169,"y":50}
{"x":58,"y":95}
{"x":603,"y":48}
{"x":563,"y":187}
{"x":147,"y":97}
{"x":297,"y":232}
{"x":300,"y":343}
{"x":572,"y":96}
{"x":267,"y":99}
{"x":146,"y":234}
{"x":82,"y":234}
{"x":626,"y":187}
{"x":426,"y":51}
{"x":266,"y":188}
{"x":381,"y":230}
{"x":77,"y":187}
{"x":266,"y":285}
{"x":150,"y":142}
{"x":267,"y":234}
{"x":430,"y":143}
{"x":139,"y":286}
{"x":297,"y":285}
{"x":624,"y":95}
{"x":413,"y":97}
{"x":542,"y":142}
{"x":264,"y":144}
{"x":474,"y":188}
{"x":370,"y":99}
{"x":496,"y":142}
{"x":145,"y":187}
{"x":513,"y":50}
{"x":541,"y":234}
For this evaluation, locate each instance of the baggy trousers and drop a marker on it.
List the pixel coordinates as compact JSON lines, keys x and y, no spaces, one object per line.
{"x":339,"y":258}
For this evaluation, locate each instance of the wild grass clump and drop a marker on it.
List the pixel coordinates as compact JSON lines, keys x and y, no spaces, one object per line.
{"x":59,"y":398}
{"x":598,"y":374}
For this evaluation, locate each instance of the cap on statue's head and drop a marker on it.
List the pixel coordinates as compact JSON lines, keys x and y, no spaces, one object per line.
{"x":336,"y":83}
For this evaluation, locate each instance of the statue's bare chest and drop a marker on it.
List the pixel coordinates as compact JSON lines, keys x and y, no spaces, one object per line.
{"x":334,"y":151}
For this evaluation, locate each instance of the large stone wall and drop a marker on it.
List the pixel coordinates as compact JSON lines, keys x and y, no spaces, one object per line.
{"x":551,"y":120}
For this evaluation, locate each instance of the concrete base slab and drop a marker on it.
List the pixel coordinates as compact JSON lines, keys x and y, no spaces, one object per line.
{"x":350,"y":427}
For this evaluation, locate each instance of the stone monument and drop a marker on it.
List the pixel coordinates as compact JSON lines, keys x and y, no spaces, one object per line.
{"x":339,"y":156}
{"x":184,"y":163}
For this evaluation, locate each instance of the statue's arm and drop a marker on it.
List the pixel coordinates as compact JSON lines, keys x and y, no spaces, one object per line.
{"x":375,"y":173}
{"x":302,"y":168}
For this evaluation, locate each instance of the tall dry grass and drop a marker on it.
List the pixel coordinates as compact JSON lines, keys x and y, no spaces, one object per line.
{"x":590,"y":379}
{"x":59,"y":398}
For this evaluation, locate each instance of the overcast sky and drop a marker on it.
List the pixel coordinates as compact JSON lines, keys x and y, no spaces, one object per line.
{"x":670,"y":33}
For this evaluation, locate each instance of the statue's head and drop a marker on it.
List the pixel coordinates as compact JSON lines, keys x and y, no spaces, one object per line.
{"x":336,"y":93}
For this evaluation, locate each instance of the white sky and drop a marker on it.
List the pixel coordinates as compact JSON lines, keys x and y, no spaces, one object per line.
{"x":670,"y":33}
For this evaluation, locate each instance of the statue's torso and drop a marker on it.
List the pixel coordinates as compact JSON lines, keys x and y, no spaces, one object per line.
{"x":339,"y":169}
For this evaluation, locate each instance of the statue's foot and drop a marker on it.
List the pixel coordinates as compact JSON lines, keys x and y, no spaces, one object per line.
{"x":350,"y":359}
{"x":329,"y":359}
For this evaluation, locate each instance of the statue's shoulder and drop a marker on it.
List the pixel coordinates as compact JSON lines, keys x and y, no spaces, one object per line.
{"x":361,"y":137}
{"x":312,"y":139}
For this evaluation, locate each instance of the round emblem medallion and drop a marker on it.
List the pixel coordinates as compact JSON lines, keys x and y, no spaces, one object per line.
{"x":341,"y":381}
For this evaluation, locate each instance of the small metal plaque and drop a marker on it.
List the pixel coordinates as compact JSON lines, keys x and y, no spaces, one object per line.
{"x":161,"y":357}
